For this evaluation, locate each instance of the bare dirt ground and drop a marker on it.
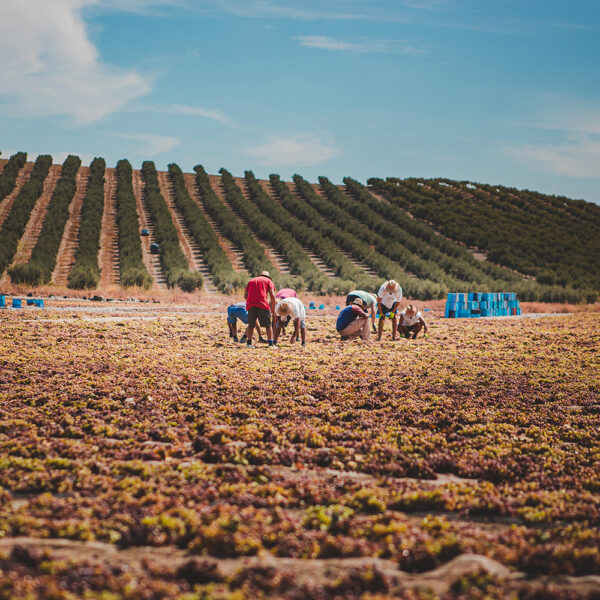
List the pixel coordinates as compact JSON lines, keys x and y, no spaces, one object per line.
{"x":108,"y":256}
{"x":68,"y":244}
{"x":152,"y":261}
{"x":186,"y":242}
{"x":233,"y":254}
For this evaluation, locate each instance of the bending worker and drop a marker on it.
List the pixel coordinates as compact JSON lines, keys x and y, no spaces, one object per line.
{"x":369,"y":301}
{"x":291,"y":309}
{"x":238,"y":311}
{"x":353,"y":321}
{"x":411,"y":322}
{"x":388,"y":301}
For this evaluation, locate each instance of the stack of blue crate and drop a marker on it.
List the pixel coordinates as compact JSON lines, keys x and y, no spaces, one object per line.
{"x":482,"y":304}
{"x":2,"y":301}
{"x":39,"y":302}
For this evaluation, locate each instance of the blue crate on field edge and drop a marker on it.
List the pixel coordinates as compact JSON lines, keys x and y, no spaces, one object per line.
{"x":481,"y":304}
{"x":2,"y":301}
{"x":16,"y":302}
{"x":37,"y":302}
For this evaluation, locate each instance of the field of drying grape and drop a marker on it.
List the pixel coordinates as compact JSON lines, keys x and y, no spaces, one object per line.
{"x":147,"y":458}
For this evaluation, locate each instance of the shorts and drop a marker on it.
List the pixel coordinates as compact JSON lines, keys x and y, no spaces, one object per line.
{"x":263,"y":315}
{"x":385,"y":310}
{"x":237,"y":312}
{"x":410,"y":327}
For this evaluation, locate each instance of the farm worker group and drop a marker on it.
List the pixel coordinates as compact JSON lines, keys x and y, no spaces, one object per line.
{"x":264,"y":307}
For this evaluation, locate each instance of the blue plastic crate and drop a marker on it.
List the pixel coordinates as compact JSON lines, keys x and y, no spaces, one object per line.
{"x":2,"y":301}
{"x":16,"y":303}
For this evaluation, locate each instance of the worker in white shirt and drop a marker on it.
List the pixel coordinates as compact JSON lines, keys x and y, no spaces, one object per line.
{"x":389,"y":297}
{"x":411,"y":322}
{"x":291,"y":309}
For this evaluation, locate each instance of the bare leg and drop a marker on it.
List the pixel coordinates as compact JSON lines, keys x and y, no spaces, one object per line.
{"x":277,"y":329}
{"x":356,"y":329}
{"x":380,"y":326}
{"x":366,"y":330}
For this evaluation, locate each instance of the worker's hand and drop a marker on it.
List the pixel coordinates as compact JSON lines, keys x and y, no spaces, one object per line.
{"x":374,"y":328}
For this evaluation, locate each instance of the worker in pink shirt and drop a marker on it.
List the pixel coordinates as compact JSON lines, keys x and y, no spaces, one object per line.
{"x":260,"y":304}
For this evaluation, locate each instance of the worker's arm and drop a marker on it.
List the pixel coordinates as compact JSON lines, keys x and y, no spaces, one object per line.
{"x":361,"y":312}
{"x":424,"y":325}
{"x":272,"y":300}
{"x":373,"y":317}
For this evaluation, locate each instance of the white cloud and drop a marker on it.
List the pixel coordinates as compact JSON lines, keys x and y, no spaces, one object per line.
{"x":573,"y":118}
{"x":195,"y":111}
{"x":152,"y":144}
{"x":50,"y":66}
{"x":579,"y":157}
{"x":311,"y":10}
{"x":363,"y":46}
{"x":575,"y":152}
{"x":139,"y":6}
{"x":293,"y":151}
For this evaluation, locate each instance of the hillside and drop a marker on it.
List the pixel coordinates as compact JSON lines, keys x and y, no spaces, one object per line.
{"x":68,"y":225}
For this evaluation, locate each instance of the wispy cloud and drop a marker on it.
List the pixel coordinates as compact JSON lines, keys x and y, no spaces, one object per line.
{"x":192,"y":111}
{"x":576,"y":153}
{"x":363,"y":46}
{"x":293,"y":151}
{"x":312,"y":10}
{"x":50,"y":67}
{"x":145,"y":7}
{"x":152,"y":144}
{"x":577,"y":158}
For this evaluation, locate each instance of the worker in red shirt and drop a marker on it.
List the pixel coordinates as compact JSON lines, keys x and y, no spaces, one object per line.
{"x":260,"y":304}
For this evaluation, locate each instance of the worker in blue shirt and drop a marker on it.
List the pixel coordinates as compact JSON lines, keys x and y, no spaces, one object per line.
{"x":353,"y":321}
{"x":238,"y":311}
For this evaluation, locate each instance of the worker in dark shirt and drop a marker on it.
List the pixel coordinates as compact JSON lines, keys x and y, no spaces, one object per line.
{"x":353,"y":321}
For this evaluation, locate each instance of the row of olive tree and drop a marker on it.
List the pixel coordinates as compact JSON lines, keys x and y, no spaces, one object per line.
{"x":85,"y":273}
{"x":172,"y":259}
{"x":561,"y":257}
{"x":355,"y":238}
{"x":254,"y":255}
{"x":223,"y":274}
{"x":132,"y":271}
{"x":20,"y":212}
{"x":39,"y":269}
{"x":274,"y":230}
{"x":421,"y":239}
{"x":8,"y":177}
{"x":396,"y":213}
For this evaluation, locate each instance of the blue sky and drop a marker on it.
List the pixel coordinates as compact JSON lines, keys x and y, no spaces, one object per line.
{"x":500,"y":91}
